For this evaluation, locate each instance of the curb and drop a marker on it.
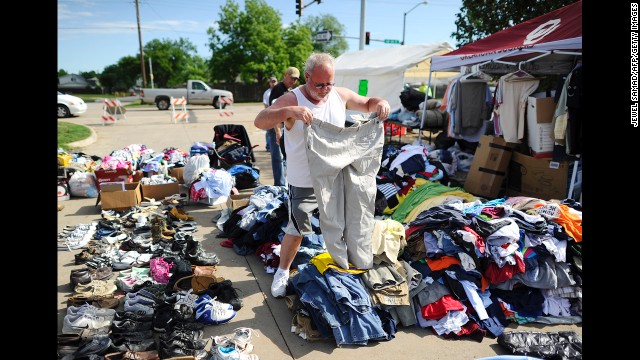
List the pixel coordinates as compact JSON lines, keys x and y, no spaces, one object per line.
{"x":84,"y":142}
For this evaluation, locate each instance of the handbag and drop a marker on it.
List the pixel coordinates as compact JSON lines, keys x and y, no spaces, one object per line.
{"x":199,"y":283}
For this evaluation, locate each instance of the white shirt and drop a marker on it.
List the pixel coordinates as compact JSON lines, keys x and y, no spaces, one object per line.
{"x":265,"y":97}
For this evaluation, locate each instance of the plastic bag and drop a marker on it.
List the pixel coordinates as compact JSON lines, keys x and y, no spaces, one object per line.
{"x":83,"y":184}
{"x":194,"y":166}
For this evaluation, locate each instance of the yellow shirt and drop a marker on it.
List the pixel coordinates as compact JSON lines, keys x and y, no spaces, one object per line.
{"x":324,"y":261}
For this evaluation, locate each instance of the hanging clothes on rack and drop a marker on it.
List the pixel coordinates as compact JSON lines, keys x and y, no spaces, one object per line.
{"x":469,"y":106}
{"x":511,"y":103}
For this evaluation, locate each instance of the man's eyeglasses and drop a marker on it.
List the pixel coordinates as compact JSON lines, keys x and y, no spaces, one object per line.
{"x":294,"y":78}
{"x":321,"y":86}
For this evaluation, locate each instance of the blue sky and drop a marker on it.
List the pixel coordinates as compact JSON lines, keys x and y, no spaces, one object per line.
{"x":93,"y":34}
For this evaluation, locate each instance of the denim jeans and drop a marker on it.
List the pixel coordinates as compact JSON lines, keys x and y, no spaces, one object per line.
{"x":277,"y":163}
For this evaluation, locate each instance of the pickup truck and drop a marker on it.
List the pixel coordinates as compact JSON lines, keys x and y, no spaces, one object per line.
{"x":196,"y":92}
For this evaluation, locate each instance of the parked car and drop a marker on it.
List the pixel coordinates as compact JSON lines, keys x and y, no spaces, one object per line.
{"x":69,"y":105}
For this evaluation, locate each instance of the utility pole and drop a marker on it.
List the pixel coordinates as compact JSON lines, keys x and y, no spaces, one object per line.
{"x":362,"y":32}
{"x":144,"y":75}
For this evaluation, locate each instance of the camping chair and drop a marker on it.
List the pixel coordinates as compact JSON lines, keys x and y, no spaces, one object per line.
{"x":231,"y":146}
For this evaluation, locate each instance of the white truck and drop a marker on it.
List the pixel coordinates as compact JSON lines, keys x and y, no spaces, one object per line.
{"x":196,"y":92}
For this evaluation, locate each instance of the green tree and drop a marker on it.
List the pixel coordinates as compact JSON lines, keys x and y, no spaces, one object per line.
{"x":174,"y":62}
{"x":253,"y":45}
{"x":338,"y":44}
{"x":121,"y":76}
{"x":88,"y":74}
{"x":473,"y":23}
{"x":62,"y":72}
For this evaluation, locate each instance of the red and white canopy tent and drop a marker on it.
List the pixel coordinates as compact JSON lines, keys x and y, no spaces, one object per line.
{"x":542,"y":43}
{"x":548,"y":44}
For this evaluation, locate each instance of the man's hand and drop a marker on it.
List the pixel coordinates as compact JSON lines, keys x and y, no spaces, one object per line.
{"x":383,"y":110}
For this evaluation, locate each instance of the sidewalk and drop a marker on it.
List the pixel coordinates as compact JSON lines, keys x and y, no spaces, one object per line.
{"x":268,"y":316}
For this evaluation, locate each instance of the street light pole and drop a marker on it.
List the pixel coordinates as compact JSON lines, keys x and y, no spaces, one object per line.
{"x":404,"y":23}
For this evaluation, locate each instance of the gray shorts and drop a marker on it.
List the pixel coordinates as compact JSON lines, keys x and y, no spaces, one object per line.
{"x":302,"y":203}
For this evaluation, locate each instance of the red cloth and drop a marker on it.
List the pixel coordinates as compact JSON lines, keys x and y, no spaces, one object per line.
{"x":226,"y":243}
{"x":438,"y":309}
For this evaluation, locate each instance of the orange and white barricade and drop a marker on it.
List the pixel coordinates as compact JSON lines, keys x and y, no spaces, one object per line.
{"x":112,"y":110}
{"x":181,"y":113}
{"x":228,"y":101}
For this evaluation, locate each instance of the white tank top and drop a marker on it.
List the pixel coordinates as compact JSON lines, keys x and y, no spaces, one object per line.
{"x":332,"y":111}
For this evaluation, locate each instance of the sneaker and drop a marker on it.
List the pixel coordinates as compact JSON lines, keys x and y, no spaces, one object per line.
{"x":279,"y":284}
{"x":127,"y":344}
{"x":97,"y":346}
{"x":129,"y":315}
{"x":76,"y":324}
{"x":231,"y":353}
{"x":242,"y":339}
{"x":130,"y":326}
{"x":214,"y":312}
{"x":139,"y":309}
{"x":90,"y":310}
{"x":206,"y":298}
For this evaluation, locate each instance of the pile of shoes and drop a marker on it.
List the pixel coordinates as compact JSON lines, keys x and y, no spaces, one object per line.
{"x":149,"y":248}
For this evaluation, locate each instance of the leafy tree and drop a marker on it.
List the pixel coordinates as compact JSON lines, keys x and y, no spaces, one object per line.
{"x":338,"y":44}
{"x":253,"y":45}
{"x":174,"y":62}
{"x":297,"y":38}
{"x":121,"y":76}
{"x":88,"y":74}
{"x":479,"y":19}
{"x":62,"y":72}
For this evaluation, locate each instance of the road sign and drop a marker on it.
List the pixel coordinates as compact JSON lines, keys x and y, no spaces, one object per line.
{"x":324,"y":35}
{"x":391,"y":41}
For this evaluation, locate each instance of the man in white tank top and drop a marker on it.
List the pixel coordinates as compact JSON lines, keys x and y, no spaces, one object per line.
{"x":320,"y":99}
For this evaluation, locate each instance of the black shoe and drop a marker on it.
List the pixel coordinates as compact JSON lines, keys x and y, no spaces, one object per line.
{"x":129,"y":326}
{"x":128,"y":315}
{"x":97,"y":346}
{"x":79,"y":276}
{"x":124,"y":344}
{"x":162,"y":317}
{"x":226,"y":293}
{"x":182,"y":334}
{"x":134,"y":336}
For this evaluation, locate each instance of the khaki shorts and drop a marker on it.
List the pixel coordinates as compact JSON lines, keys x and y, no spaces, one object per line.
{"x":302,"y":204}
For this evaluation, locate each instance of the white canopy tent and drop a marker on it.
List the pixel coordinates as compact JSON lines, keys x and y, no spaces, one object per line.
{"x":386,"y":70}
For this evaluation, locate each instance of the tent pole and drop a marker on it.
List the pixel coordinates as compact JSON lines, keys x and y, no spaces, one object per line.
{"x":424,"y":109}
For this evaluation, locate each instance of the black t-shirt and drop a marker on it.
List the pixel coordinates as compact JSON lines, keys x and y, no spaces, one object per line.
{"x":277,"y":91}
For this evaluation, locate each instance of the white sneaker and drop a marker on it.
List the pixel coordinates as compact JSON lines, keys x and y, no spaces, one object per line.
{"x":75,"y":311}
{"x":75,"y":324}
{"x":231,"y":353}
{"x":279,"y":284}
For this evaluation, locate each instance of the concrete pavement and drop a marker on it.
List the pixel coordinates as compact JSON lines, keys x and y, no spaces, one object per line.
{"x":268,"y":316}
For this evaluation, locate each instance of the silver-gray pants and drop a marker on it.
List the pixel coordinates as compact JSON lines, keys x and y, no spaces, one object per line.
{"x":343,"y":164}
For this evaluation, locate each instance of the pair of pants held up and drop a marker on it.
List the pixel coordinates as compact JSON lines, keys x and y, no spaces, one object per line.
{"x":343,"y":164}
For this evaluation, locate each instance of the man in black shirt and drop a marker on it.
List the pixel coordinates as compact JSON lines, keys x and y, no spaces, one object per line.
{"x":276,"y":148}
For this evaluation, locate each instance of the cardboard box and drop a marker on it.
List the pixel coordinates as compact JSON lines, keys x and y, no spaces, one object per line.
{"x":236,"y":201}
{"x":218,"y":203}
{"x":177,"y":172}
{"x":116,"y":175}
{"x":540,"y":112}
{"x":137,"y":176}
{"x":489,"y":167}
{"x":538,"y":178}
{"x":113,"y":198}
{"x":160,"y":191}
